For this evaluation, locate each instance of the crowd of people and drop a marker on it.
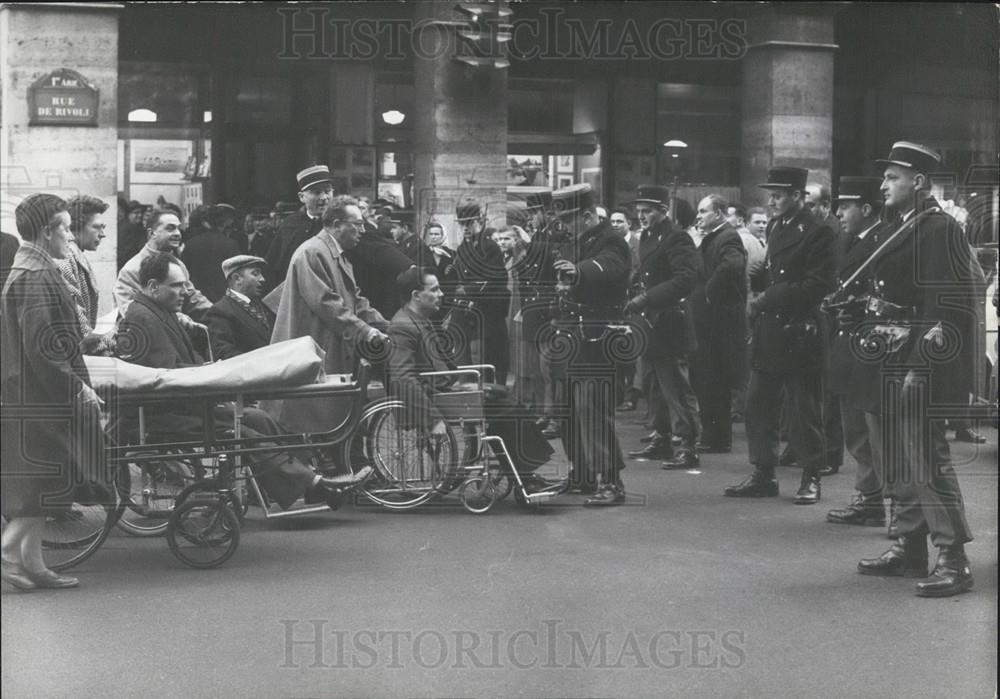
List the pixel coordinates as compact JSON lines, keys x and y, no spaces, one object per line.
{"x":826,"y":331}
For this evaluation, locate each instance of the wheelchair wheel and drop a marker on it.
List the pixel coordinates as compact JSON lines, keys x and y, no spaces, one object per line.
{"x":151,"y":489}
{"x":410,"y":468}
{"x":71,"y":537}
{"x":502,"y":483}
{"x":478,"y":495}
{"x":203,"y":532}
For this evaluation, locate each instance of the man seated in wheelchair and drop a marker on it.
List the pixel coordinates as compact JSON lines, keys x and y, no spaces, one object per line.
{"x":416,"y":347}
{"x":150,"y":334}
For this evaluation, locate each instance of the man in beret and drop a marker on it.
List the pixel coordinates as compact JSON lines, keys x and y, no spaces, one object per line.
{"x":789,"y":341}
{"x":240,"y":322}
{"x":925,"y":282}
{"x":593,"y":271}
{"x":315,"y":192}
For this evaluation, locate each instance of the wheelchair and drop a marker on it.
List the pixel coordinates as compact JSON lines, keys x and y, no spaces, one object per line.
{"x":413,"y":468}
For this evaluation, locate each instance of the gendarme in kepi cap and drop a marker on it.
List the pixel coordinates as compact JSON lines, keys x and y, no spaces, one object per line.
{"x":539,"y":200}
{"x":784,"y":177}
{"x":655,"y":194}
{"x":864,"y":190}
{"x":912,"y":155}
{"x":569,"y":200}
{"x":314,"y":174}
{"x":468,"y":211}
{"x":238,"y":262}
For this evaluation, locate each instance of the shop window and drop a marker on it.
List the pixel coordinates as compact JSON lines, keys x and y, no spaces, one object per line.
{"x":707,"y":120}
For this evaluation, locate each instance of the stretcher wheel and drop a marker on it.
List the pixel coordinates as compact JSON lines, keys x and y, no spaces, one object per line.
{"x":150,"y":489}
{"x":203,"y":532}
{"x":71,"y":537}
{"x":478,"y":495}
{"x":410,"y":468}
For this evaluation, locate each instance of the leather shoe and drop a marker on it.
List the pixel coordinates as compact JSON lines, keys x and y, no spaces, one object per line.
{"x":607,"y":496}
{"x":829,"y":470}
{"x":758,"y":484}
{"x":346,"y":480}
{"x":906,"y":558}
{"x":656,"y":450}
{"x":712,"y":449}
{"x":683,"y":460}
{"x":809,"y":489}
{"x":51,"y":580}
{"x":787,"y":457}
{"x":652,"y":436}
{"x":14,"y":574}
{"x":866,"y":512}
{"x":965,"y":434}
{"x":951,"y":575}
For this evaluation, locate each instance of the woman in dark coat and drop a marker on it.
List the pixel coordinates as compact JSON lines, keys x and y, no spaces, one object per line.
{"x":51,"y":415}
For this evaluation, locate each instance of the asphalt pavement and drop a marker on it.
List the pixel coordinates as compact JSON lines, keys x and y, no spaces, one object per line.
{"x":680,"y":593}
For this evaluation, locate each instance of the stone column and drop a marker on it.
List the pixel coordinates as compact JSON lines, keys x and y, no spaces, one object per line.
{"x":787,"y":94}
{"x":460,"y":124}
{"x":36,"y":39}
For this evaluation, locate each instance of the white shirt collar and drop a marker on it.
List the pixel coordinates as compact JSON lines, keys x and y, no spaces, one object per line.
{"x":239,"y":297}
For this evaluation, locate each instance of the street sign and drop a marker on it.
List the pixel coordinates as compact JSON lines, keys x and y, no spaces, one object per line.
{"x":62,"y":98}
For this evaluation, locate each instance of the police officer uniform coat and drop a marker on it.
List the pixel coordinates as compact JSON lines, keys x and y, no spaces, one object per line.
{"x":669,"y":268}
{"x":789,"y":335}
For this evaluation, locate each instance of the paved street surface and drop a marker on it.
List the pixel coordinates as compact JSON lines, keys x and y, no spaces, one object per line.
{"x":684,"y":593}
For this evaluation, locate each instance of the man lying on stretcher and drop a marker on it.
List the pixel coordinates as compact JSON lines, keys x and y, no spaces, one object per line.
{"x":415,"y":349}
{"x":150,"y":335}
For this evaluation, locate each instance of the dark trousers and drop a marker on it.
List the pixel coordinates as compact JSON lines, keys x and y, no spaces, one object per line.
{"x":919,"y":469}
{"x":715,"y":401}
{"x":515,"y":424}
{"x":675,"y":406}
{"x":862,"y":443}
{"x":589,"y":439}
{"x":805,"y":418}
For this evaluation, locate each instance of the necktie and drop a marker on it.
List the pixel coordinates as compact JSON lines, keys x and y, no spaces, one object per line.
{"x":254,"y":309}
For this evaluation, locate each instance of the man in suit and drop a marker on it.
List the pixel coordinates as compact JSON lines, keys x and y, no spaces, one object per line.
{"x":669,"y":268}
{"x":204,"y":252}
{"x":415,"y":349}
{"x":258,"y":232}
{"x":240,"y":322}
{"x":376,"y":261}
{"x":926,"y":285}
{"x":859,"y":205}
{"x":150,"y":335}
{"x":789,"y":341}
{"x":409,"y":243}
{"x":315,"y":192}
{"x":87,"y":226}
{"x":482,"y":279}
{"x":719,"y":306}
{"x":8,"y":248}
{"x":593,"y":272}
{"x":321,"y":299}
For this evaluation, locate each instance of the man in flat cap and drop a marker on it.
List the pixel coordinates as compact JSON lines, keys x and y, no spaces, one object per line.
{"x":789,"y":340}
{"x":240,"y":322}
{"x":482,"y":279}
{"x":667,"y":274}
{"x":593,"y":271}
{"x":925,"y":286}
{"x":854,"y":382}
{"x":315,"y":192}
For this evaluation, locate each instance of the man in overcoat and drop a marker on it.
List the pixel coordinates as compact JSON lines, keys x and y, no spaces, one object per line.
{"x":240,"y":322}
{"x":669,"y":268}
{"x":927,"y":284}
{"x":718,"y":303}
{"x":789,"y":341}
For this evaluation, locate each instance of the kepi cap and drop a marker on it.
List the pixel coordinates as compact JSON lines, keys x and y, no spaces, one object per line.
{"x":913,"y":156}
{"x":864,"y":190}
{"x":569,"y":200}
{"x":238,"y":262}
{"x":539,"y":200}
{"x":469,"y":210}
{"x":312,"y":175}
{"x":655,"y":194}
{"x":784,"y":177}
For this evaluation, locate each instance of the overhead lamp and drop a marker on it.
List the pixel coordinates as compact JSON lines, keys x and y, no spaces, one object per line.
{"x":675,"y":143}
{"x":478,"y":9}
{"x":393,"y":117}
{"x":146,"y":115}
{"x":478,"y":61}
{"x":206,"y":116}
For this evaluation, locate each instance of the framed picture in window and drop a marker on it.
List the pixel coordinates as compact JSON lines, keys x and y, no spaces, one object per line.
{"x":353,"y":167}
{"x":564,"y":181}
{"x":564,"y":164}
{"x":159,"y":162}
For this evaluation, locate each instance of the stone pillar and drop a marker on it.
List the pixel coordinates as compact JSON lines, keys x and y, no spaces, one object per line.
{"x":787,"y":94}
{"x":460,"y":124}
{"x":36,"y":39}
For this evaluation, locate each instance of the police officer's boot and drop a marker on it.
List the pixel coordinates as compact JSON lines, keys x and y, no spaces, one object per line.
{"x":809,"y":490}
{"x":760,"y":484}
{"x":864,"y":510}
{"x":951,"y":575}
{"x":907,"y":557}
